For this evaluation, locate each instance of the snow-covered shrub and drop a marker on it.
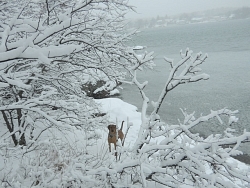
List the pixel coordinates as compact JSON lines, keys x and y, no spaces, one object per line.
{"x":59,"y":159}
{"x":48,"y":51}
{"x":45,"y":49}
{"x":171,"y":155}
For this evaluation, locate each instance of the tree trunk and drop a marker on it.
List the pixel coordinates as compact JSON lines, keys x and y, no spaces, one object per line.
{"x":22,"y":140}
{"x":10,"y":128}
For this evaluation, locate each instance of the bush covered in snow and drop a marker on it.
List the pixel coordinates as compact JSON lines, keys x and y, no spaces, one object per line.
{"x":48,"y":51}
{"x":92,"y":89}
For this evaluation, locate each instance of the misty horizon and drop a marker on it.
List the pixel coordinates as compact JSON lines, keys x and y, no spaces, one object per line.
{"x":149,"y":9}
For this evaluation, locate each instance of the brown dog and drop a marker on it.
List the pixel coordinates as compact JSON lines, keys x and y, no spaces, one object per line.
{"x":112,"y":136}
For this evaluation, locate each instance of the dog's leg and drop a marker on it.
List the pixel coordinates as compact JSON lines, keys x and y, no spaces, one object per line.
{"x":109,"y":147}
{"x":115,"y":145}
{"x":115,"y":151}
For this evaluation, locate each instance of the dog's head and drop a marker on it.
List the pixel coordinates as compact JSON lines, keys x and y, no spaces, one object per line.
{"x":112,"y":128}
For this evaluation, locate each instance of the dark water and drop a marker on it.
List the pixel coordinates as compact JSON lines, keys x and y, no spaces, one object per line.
{"x":228,"y":47}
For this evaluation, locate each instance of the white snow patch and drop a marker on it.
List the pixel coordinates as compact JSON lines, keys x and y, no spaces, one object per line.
{"x":114,"y":92}
{"x":139,"y":47}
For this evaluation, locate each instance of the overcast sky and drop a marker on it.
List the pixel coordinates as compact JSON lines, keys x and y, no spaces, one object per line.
{"x":153,"y":8}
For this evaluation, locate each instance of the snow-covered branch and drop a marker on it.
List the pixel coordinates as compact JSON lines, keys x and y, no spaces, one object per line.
{"x":189,"y":73}
{"x":182,"y":157}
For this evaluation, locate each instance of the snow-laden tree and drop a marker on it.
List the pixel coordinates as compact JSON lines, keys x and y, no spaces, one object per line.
{"x":173,"y":156}
{"x":49,"y":51}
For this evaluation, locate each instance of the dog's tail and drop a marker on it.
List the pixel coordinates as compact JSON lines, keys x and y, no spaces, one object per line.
{"x":122,"y":125}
